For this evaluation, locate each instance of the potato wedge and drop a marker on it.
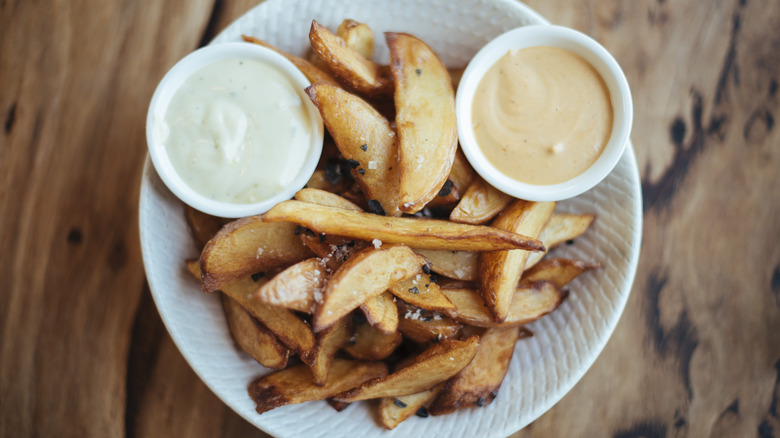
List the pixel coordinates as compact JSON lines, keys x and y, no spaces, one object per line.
{"x":247,"y":246}
{"x":369,"y":343}
{"x":312,"y":73}
{"x":337,"y":405}
{"x":529,"y":303}
{"x":365,"y":139}
{"x":560,"y":271}
{"x":361,"y":74}
{"x":358,"y":36}
{"x":297,"y":287}
{"x":433,"y":366}
{"x":295,"y":384}
{"x":425,"y":119}
{"x":561,"y":227}
{"x":458,"y":265}
{"x":500,"y":271}
{"x":253,"y":337}
{"x":329,"y":341}
{"x":323,"y":197}
{"x":420,"y":233}
{"x":420,"y":325}
{"x":463,"y":265}
{"x":288,"y":327}
{"x":481,"y":203}
{"x":381,"y":312}
{"x":421,"y":291}
{"x":366,"y":274}
{"x":203,"y":226}
{"x":478,"y":382}
{"x":320,"y":180}
{"x":394,"y":410}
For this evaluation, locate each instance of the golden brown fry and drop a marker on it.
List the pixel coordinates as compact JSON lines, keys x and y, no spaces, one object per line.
{"x":361,"y":74}
{"x":529,"y":303}
{"x":323,"y":197}
{"x":481,"y":203}
{"x":422,"y":292}
{"x":247,"y":246}
{"x":420,"y":325}
{"x":369,"y":272}
{"x":312,"y":73}
{"x":478,"y":382}
{"x":358,"y":36}
{"x":458,"y":265}
{"x":202,"y":226}
{"x":559,"y":271}
{"x":560,"y":228}
{"x":394,"y":410}
{"x":295,"y":384}
{"x":420,"y":233}
{"x":288,"y":328}
{"x":252,"y":337}
{"x":433,"y":366}
{"x":329,"y":341}
{"x":320,"y":181}
{"x":381,"y":312}
{"x":365,"y":139}
{"x":369,"y":343}
{"x":297,"y":287}
{"x":500,"y":271}
{"x":337,"y":405}
{"x":425,"y":116}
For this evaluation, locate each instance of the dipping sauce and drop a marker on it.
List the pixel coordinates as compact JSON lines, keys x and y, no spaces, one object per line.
{"x":542,"y":115}
{"x":237,"y":131}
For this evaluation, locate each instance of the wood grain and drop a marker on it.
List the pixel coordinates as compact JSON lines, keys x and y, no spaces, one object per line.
{"x":83,"y":351}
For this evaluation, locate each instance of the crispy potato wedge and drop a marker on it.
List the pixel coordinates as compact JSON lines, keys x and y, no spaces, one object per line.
{"x":202,"y":226}
{"x":358,"y":36}
{"x":394,"y":410}
{"x":295,"y":384}
{"x":425,"y":119}
{"x":334,"y":250}
{"x":297,"y":287}
{"x":365,"y":139}
{"x":433,"y":366}
{"x":337,"y":405}
{"x":288,"y":327}
{"x":529,"y":303}
{"x":381,"y":312}
{"x":500,"y":271}
{"x":481,"y":203}
{"x":463,"y":265}
{"x":366,"y":274}
{"x":461,"y":174}
{"x":361,"y":74}
{"x":312,"y":73}
{"x":253,"y":338}
{"x":369,"y":343}
{"x":478,"y":382}
{"x":247,"y":246}
{"x":329,"y":341}
{"x":420,"y":233}
{"x":448,"y":194}
{"x":323,"y":197}
{"x":560,"y":228}
{"x":560,"y":271}
{"x":422,"y":292}
{"x":420,"y":325}
{"x":458,"y":265}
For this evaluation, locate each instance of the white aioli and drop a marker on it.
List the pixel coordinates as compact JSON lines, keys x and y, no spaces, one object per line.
{"x":237,"y":131}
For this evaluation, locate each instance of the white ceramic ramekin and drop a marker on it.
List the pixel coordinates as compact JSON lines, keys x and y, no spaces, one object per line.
{"x":573,"y":41}
{"x":162,"y":97}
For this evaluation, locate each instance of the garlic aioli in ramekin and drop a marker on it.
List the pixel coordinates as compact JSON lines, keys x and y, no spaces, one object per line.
{"x":542,"y":115}
{"x":237,"y":131}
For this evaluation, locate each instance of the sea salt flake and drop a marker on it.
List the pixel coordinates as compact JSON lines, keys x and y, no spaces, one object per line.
{"x":377,"y":243}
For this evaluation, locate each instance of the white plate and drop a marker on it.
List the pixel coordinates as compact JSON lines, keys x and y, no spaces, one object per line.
{"x":544,"y":367}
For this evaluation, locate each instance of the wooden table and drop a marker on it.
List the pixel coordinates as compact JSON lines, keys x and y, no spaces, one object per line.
{"x":83,"y":351}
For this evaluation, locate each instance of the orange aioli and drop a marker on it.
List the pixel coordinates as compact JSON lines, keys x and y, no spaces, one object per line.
{"x":542,"y":115}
